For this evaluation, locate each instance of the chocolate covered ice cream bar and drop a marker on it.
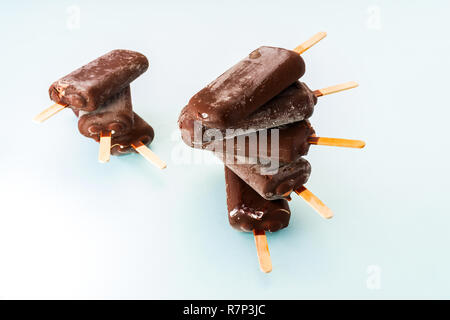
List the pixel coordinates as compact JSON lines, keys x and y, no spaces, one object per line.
{"x":272,"y":182}
{"x":245,"y":87}
{"x":115,"y":116}
{"x":295,"y":103}
{"x":141,"y":134}
{"x":248,"y":211}
{"x":283,"y":144}
{"x":90,"y":86}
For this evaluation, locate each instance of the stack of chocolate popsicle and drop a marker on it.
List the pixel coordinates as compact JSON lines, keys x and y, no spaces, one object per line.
{"x":255,"y":118}
{"x":99,"y":94}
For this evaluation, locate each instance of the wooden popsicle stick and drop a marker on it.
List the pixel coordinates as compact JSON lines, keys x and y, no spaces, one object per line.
{"x":314,"y":202}
{"x":262,"y":249}
{"x":104,"y":151}
{"x":49,"y":112}
{"x":337,"y":142}
{"x":336,"y":88}
{"x":148,"y":154}
{"x":287,"y":195}
{"x":310,"y":42}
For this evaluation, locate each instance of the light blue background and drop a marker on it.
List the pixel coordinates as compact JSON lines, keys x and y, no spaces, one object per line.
{"x":73,"y":228}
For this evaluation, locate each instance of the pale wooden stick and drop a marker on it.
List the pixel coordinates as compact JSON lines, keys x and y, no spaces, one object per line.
{"x":314,"y":202}
{"x":262,"y":249}
{"x":337,"y":142}
{"x":148,"y":154}
{"x":336,"y":88}
{"x":49,"y":112}
{"x":310,"y":42}
{"x":104,"y":151}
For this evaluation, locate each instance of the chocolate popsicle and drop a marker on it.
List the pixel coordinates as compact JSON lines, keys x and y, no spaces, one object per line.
{"x":246,"y":86}
{"x":293,"y":104}
{"x":248,"y":211}
{"x":273,"y":183}
{"x":141,"y":132}
{"x":116,"y":115}
{"x":264,"y":146}
{"x":90,"y":86}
